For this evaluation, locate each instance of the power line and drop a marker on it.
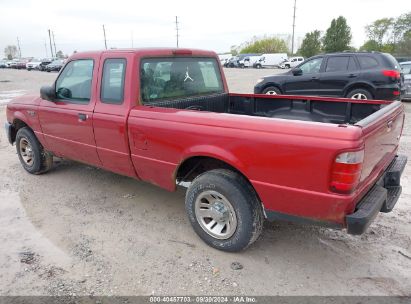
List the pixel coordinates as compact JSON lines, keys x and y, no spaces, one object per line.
{"x":105,"y":40}
{"x":18,"y":44}
{"x":177,"y":29}
{"x":51,"y":47}
{"x":292,"y":42}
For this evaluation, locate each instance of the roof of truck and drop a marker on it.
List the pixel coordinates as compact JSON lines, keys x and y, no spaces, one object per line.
{"x":150,"y":52}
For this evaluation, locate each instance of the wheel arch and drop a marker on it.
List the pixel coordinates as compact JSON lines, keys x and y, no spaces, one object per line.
{"x":17,"y":124}
{"x":194,"y":165}
{"x":360,"y":85}
{"x":272,"y":84}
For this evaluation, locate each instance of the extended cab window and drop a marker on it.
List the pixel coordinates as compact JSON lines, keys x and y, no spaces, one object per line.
{"x":312,"y":66}
{"x":112,"y":84}
{"x":74,"y":83}
{"x":169,"y":78}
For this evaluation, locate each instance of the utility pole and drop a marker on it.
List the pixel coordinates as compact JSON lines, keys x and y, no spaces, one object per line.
{"x":54,"y":42}
{"x":51,"y":47}
{"x":18,"y":44}
{"x":45,"y":47}
{"x":105,"y":40}
{"x":292,"y":42}
{"x":177,"y":29}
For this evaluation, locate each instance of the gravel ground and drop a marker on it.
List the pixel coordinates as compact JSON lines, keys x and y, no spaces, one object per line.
{"x":79,"y":230}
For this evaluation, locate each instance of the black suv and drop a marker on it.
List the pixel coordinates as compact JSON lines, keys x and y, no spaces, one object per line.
{"x":358,"y":75}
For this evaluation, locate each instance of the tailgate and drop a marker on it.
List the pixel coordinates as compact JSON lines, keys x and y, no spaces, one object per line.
{"x":381,"y":131}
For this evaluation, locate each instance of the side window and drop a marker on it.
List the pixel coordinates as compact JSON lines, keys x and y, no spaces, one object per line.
{"x":312,"y":66}
{"x":74,"y":83}
{"x":337,"y":64}
{"x":352,"y":65}
{"x":367,"y":62}
{"x":112,"y":83}
{"x":169,"y":78}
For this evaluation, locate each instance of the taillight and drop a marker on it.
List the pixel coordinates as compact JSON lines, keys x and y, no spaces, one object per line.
{"x":392,"y":73}
{"x":346,"y":171}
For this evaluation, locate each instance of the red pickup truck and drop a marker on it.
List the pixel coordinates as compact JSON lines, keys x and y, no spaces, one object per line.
{"x":165,"y":116}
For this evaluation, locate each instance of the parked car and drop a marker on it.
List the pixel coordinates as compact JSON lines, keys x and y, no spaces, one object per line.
{"x":270,"y":60}
{"x":406,"y":70}
{"x":3,"y":64}
{"x":56,"y":65}
{"x":248,"y":61}
{"x":234,"y":62}
{"x":291,"y":62}
{"x":20,"y":64}
{"x":358,"y":75}
{"x":329,"y":161}
{"x":33,"y":64}
{"x":44,"y":63}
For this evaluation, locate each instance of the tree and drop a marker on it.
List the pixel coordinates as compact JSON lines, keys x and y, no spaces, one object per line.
{"x":10,"y":51}
{"x":370,"y":45}
{"x":311,"y":44}
{"x":380,"y":30}
{"x":338,"y":36}
{"x":60,"y":54}
{"x":266,"y":45}
{"x":404,"y":46}
{"x":401,"y":27}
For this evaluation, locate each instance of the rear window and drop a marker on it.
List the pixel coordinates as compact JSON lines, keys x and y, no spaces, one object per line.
{"x":170,"y":78}
{"x":368,"y":62}
{"x":393,"y":63}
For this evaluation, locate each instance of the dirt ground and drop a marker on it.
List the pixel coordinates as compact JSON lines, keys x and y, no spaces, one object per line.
{"x":79,"y":230}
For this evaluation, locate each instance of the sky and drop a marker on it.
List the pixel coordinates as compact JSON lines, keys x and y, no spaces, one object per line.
{"x":213,"y":25}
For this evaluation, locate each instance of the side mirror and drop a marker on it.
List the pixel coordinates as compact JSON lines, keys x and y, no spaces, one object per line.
{"x":47,"y":93}
{"x":297,"y":72}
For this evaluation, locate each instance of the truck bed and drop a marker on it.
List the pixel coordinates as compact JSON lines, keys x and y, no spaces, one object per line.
{"x":315,"y":109}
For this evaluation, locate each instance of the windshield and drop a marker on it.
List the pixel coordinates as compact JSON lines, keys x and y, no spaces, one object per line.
{"x":169,"y":78}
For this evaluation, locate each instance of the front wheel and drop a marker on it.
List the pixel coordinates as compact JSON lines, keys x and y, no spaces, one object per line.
{"x":224,"y":210}
{"x":32,"y":156}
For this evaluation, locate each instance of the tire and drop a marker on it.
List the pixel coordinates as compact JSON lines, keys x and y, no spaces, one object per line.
{"x":287,"y":66}
{"x":32,"y":156}
{"x":258,"y":66}
{"x":242,"y":219}
{"x":272,"y":91}
{"x":362,"y":94}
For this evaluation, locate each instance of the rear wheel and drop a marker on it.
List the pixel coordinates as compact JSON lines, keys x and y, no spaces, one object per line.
{"x":32,"y":156}
{"x":258,"y":66}
{"x":224,"y":210}
{"x":362,"y":94}
{"x":271,"y":91}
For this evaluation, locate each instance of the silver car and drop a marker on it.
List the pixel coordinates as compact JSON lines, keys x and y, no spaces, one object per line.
{"x":406,"y":70}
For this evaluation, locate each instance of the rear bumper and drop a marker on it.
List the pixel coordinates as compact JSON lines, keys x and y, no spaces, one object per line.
{"x":381,"y":198}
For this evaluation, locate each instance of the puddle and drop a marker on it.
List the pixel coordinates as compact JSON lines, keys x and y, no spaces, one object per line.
{"x":6,"y":96}
{"x":20,"y":240}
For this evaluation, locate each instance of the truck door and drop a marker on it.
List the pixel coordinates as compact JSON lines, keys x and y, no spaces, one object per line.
{"x":67,"y":121}
{"x":339,"y":71}
{"x":306,"y":83}
{"x":113,"y":105}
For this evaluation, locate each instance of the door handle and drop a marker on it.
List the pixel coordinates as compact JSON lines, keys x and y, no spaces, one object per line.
{"x":314,"y":78}
{"x":352,"y":75}
{"x":82,"y":117}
